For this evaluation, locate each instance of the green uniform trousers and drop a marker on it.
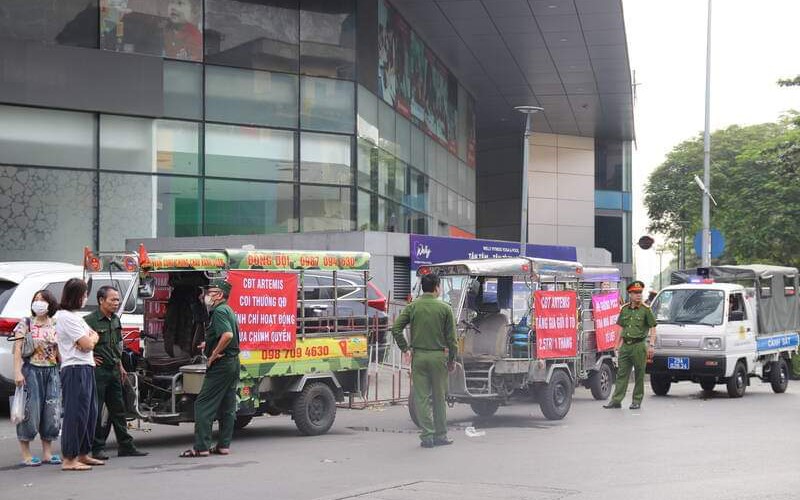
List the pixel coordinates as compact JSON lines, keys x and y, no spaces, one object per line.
{"x":217,"y":399}
{"x":109,"y":393}
{"x":429,"y":378}
{"x":630,"y":356}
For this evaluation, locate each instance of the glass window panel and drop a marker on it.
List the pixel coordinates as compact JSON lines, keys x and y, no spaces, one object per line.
{"x":363,"y":221}
{"x":367,"y":115}
{"x":608,"y":235}
{"x":183,"y":90}
{"x":241,"y":207}
{"x":325,"y":208}
{"x":461,"y":129}
{"x":328,"y":38}
{"x":327,"y":105}
{"x":441,"y":172}
{"x":430,"y":157}
{"x":46,"y":214}
{"x":462,"y":178}
{"x":385,"y":172}
{"x":145,"y":145}
{"x":452,"y":173}
{"x":259,"y":34}
{"x":452,"y":207}
{"x":378,"y":215}
{"x":31,"y":136}
{"x":169,"y":28}
{"x":608,"y":171}
{"x":417,"y":148}
{"x":367,"y":157}
{"x":62,"y":22}
{"x":251,"y":153}
{"x":325,"y":158}
{"x":150,"y":205}
{"x":251,"y":97}
{"x":387,"y":127}
{"x":397,"y":181}
{"x":403,"y":138}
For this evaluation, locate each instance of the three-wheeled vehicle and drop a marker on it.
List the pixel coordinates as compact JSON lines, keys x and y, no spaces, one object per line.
{"x":506,"y":350}
{"x":299,"y":353}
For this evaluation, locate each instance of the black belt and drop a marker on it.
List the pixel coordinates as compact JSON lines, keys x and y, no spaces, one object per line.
{"x":632,"y":341}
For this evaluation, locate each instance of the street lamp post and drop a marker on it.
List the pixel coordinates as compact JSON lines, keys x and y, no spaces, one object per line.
{"x":706,"y":240}
{"x":528,"y":111}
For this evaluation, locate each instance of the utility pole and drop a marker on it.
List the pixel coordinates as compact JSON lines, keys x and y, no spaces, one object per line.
{"x":706,"y":241}
{"x":528,"y":111}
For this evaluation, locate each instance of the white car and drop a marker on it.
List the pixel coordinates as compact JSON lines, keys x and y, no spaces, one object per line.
{"x":19,"y":281}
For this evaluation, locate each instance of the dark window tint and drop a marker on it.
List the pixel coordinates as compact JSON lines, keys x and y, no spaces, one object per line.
{"x":608,"y":235}
{"x":63,"y":22}
{"x":327,"y":38}
{"x":6,"y":290}
{"x":259,"y":34}
{"x":608,"y":165}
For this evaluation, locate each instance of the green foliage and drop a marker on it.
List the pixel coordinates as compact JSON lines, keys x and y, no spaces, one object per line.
{"x":790,"y":82}
{"x":755,"y":178}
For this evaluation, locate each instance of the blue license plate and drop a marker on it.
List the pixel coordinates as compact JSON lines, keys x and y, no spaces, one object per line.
{"x":677,"y":363}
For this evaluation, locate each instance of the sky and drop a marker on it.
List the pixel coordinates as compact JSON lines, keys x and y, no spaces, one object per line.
{"x":753,"y":44}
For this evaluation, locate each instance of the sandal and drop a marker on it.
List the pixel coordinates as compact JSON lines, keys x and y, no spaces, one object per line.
{"x":54,"y":460}
{"x":77,"y":467}
{"x":31,"y":462}
{"x":192,"y":453}
{"x":92,"y":461}
{"x":220,"y":451}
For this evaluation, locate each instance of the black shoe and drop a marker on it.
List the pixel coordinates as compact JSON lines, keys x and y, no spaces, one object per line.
{"x":100,"y":455}
{"x":133,"y":452}
{"x":444,"y":441}
{"x":612,"y":405}
{"x":427,"y":443}
{"x":635,"y":406}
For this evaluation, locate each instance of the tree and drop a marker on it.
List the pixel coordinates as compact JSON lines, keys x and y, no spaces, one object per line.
{"x":755,"y":178}
{"x":790,"y":82}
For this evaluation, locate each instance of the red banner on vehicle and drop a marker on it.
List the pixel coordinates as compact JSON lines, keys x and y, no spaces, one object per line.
{"x":556,"y":324}
{"x":266,"y":308}
{"x":605,"y":309}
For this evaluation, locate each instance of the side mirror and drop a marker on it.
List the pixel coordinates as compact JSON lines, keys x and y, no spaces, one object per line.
{"x":736,"y":316}
{"x":147,"y":287}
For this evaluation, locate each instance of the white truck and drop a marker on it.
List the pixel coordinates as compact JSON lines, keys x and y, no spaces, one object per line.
{"x":725,"y":325}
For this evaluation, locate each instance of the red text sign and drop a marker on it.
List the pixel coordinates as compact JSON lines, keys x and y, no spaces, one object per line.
{"x":266,"y":308}
{"x":556,"y":324}
{"x":605,"y":309}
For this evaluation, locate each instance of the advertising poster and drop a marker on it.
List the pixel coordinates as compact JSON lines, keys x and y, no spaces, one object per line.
{"x":168,"y":28}
{"x":266,"y":308}
{"x":556,"y":324}
{"x":471,"y":136}
{"x":394,"y":40}
{"x":605,"y":309}
{"x":418,"y":65}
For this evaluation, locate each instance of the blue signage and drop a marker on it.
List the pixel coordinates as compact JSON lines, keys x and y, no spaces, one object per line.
{"x":778,"y":342}
{"x":717,"y":243}
{"x":437,"y":249}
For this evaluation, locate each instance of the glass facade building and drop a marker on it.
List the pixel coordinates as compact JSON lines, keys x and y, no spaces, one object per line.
{"x":612,"y":222}
{"x":270,"y":119}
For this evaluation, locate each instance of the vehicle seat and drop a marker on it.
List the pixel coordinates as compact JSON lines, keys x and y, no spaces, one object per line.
{"x":491,"y":342}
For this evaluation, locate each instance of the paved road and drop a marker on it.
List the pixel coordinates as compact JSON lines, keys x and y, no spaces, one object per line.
{"x":679,"y":447}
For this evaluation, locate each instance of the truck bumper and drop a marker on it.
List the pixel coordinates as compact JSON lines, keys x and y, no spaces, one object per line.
{"x":699,"y":367}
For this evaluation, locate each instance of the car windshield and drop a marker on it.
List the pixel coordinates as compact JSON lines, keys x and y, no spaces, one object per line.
{"x":6,"y":289}
{"x":689,"y":306}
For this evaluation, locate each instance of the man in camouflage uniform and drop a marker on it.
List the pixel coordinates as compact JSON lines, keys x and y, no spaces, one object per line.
{"x":634,"y":345}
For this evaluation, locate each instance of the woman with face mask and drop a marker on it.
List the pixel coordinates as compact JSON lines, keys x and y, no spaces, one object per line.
{"x":38,"y":374}
{"x":76,"y":343}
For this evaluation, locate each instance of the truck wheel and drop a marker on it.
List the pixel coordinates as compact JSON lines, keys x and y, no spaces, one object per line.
{"x":660,"y":384}
{"x":556,"y":397}
{"x":242,"y":421}
{"x":737,"y":383}
{"x":485,"y":408}
{"x":314,"y":409}
{"x":779,"y":376}
{"x":602,"y":382}
{"x":708,"y":384}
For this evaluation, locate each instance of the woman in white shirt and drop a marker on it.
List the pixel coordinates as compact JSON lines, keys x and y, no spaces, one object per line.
{"x":76,"y":343}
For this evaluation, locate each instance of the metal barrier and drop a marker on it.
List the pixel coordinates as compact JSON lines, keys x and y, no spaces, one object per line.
{"x":388,"y":377}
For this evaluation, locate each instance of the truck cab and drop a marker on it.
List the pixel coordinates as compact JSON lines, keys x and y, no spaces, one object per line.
{"x":727,"y":330}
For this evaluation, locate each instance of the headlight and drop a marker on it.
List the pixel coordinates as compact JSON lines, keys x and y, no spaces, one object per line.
{"x":712,"y":343}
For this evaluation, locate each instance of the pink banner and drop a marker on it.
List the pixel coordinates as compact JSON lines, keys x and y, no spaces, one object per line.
{"x":605,"y":309}
{"x":266,"y":308}
{"x":556,"y":324}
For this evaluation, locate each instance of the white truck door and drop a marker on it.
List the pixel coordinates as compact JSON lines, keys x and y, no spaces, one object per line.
{"x":740,"y":331}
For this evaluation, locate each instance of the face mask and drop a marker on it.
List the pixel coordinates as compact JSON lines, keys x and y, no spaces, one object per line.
{"x":40,"y":307}
{"x":84,"y":302}
{"x":208,"y":300}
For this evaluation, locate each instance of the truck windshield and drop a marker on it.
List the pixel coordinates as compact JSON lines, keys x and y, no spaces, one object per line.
{"x":689,"y":306}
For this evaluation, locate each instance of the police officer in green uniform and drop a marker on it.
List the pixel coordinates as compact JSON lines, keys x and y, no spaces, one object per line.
{"x":109,"y":376}
{"x":218,"y":394}
{"x":638,"y":325}
{"x":433,"y":343}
